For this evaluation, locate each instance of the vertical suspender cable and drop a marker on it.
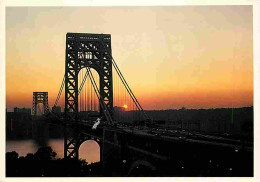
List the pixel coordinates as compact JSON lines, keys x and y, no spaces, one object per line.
{"x":101,"y":100}
{"x":85,"y":104}
{"x":125,"y":83}
{"x":91,"y":98}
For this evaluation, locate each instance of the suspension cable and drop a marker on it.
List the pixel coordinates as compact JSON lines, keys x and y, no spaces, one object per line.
{"x":127,"y":87}
{"x":60,"y":91}
{"x":83,"y":82}
{"x":103,"y":105}
{"x":125,"y":83}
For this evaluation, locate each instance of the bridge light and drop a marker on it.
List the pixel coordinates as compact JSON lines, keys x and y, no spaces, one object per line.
{"x":125,"y":106}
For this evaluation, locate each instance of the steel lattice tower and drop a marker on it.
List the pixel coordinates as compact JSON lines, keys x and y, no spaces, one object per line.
{"x":85,"y":50}
{"x":40,"y":97}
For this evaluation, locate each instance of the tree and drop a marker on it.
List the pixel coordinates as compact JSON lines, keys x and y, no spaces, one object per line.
{"x":183,"y":109}
{"x":45,"y":153}
{"x":12,"y":155}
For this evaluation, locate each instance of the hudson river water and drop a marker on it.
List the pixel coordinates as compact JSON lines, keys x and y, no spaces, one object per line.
{"x":89,"y":150}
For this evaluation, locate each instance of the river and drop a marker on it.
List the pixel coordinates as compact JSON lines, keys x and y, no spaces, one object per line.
{"x":89,"y":150}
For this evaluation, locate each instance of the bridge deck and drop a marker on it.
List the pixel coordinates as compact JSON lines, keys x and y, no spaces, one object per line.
{"x":176,"y":135}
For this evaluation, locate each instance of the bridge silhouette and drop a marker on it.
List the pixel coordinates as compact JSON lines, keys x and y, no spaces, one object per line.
{"x":130,"y":145}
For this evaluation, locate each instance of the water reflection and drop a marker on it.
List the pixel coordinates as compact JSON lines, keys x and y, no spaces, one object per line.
{"x":89,"y":150}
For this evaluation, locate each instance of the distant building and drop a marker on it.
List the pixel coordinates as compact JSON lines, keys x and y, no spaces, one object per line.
{"x":19,"y":124}
{"x":120,"y":114}
{"x":119,"y":109}
{"x":22,"y":110}
{"x":56,"y":109}
{"x":16,"y":109}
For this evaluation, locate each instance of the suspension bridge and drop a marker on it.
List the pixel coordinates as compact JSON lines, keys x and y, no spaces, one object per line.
{"x":96,"y":93}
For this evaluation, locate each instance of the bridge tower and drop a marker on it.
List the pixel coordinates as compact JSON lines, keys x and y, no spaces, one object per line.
{"x":40,"y":97}
{"x":82,"y":51}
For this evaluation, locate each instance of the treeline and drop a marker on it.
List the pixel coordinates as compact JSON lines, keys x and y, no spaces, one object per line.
{"x":44,"y":164}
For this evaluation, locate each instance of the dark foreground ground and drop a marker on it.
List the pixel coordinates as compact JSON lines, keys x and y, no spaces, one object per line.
{"x":189,"y":160}
{"x":44,"y":164}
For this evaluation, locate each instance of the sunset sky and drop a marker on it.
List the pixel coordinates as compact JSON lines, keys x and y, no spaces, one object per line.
{"x":191,"y":56}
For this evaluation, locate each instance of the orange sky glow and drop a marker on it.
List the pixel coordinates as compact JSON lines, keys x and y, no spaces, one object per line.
{"x":172,"y":57}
